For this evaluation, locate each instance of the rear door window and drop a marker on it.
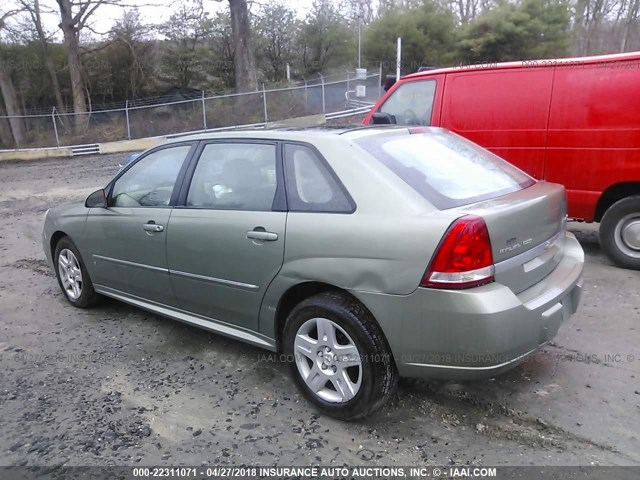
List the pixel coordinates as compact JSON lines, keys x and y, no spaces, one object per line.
{"x":411,"y":103}
{"x":446,"y":169}
{"x":234,"y":176}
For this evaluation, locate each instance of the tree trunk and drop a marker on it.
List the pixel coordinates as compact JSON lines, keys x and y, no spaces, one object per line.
{"x":55,"y":83}
{"x":245,"y":69}
{"x":632,"y":17}
{"x":580,"y":27}
{"x":34,"y":10}
{"x":6,"y":139}
{"x":11,"y":104}
{"x":71,"y":43}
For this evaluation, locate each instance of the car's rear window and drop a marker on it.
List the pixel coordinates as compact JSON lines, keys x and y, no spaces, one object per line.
{"x":446,"y":169}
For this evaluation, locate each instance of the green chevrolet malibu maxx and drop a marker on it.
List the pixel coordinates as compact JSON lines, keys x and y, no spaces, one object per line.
{"x":361,"y":254}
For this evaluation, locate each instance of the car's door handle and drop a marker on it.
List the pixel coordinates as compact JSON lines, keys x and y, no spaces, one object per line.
{"x":259,"y":233}
{"x":152,"y":227}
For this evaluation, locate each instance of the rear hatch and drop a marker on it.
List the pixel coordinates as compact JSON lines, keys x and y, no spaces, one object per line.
{"x":526,"y":229}
{"x":525,"y":219}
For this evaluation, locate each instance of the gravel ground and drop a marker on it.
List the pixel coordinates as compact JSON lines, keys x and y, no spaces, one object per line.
{"x":119,"y":386}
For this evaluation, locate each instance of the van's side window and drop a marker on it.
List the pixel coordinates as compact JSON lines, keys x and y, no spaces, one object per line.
{"x":411,"y":103}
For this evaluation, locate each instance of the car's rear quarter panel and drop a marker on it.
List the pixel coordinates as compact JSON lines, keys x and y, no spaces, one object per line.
{"x":373,"y":253}
{"x":384,"y":246}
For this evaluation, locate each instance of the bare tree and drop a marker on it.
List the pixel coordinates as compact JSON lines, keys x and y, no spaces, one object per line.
{"x":32,"y":7}
{"x":385,"y":6}
{"x":465,"y":10}
{"x":326,"y":39}
{"x":6,"y":138}
{"x":244,"y":61}
{"x":276,"y":31}
{"x":186,"y":31}
{"x":129,"y":65}
{"x":220,"y":41}
{"x":630,"y":23}
{"x":8,"y":91}
{"x":12,"y":107}
{"x":74,"y":17}
{"x":589,"y":18}
{"x":360,"y":9}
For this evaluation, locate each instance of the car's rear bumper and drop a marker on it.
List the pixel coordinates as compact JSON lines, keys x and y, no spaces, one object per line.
{"x":478,"y":332}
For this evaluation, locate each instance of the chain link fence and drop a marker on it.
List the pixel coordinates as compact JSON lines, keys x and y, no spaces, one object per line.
{"x":316,"y":96}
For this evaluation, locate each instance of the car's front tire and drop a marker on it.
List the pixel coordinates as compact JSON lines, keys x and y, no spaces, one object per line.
{"x":338,"y":356}
{"x":620,"y":232}
{"x":72,"y":275}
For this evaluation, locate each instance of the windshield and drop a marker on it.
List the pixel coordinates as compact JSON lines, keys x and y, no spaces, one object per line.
{"x":446,"y":169}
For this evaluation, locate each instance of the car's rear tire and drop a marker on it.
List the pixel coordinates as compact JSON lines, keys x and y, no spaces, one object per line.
{"x":72,"y":275}
{"x":620,"y":232}
{"x":338,"y":355}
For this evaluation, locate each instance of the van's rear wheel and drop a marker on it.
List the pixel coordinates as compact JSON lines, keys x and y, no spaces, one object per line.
{"x":620,"y":232}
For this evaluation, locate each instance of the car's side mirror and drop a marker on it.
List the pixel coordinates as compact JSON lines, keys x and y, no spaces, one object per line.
{"x":380,"y":118}
{"x":97,"y":199}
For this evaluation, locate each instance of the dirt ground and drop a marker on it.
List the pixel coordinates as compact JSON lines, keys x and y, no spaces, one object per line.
{"x":119,"y":386}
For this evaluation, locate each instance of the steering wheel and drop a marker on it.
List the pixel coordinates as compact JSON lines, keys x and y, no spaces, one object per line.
{"x":159,"y":197}
{"x":410,"y":117}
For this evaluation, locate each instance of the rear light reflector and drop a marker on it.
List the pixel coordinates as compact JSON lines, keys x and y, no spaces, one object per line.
{"x":464,"y":258}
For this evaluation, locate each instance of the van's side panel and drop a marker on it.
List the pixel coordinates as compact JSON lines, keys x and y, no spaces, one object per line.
{"x":594,"y":131}
{"x":505,"y":111}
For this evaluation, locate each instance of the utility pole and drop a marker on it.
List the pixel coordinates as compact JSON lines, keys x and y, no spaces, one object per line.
{"x":398,"y":58}
{"x":359,"y":42}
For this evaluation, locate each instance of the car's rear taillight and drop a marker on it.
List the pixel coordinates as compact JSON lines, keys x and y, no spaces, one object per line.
{"x":463,"y":258}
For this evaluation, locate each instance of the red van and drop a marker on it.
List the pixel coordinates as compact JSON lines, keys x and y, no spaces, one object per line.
{"x":571,"y":121}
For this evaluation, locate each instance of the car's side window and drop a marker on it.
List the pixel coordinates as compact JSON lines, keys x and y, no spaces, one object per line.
{"x":150,"y":181}
{"x":310,"y":185}
{"x":234,"y":176}
{"x":411,"y":103}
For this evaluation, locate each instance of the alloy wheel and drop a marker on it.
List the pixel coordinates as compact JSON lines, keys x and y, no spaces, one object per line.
{"x":70,"y":273}
{"x":328,"y":360}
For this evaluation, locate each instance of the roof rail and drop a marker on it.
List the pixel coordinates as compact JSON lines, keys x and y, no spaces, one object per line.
{"x":426,"y":68}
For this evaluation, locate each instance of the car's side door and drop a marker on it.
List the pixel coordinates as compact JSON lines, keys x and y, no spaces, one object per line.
{"x":128,"y":238}
{"x":226,"y":238}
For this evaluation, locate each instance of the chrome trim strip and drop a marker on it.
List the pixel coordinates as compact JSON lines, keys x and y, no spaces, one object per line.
{"x":213,"y":325}
{"x":222,"y":281}
{"x":529,"y":255}
{"x":131,"y":264}
{"x":479,"y":369}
